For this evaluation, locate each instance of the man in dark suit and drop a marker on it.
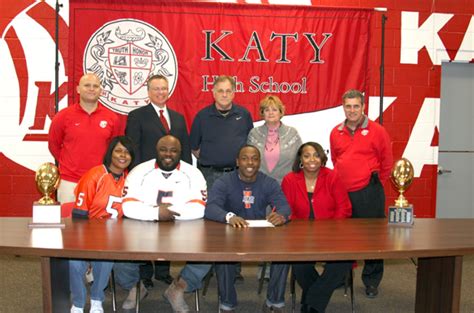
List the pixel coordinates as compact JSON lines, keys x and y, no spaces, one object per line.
{"x":146,"y":125}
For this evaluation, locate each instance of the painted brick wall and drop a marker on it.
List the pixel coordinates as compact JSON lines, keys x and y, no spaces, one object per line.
{"x":419,"y":34}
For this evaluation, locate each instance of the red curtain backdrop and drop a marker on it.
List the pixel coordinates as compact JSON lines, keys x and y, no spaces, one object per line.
{"x":307,"y":56}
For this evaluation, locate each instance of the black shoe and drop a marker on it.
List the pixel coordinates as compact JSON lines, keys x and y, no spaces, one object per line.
{"x":147,"y":283}
{"x":168,"y":279}
{"x":371,"y":292}
{"x":304,"y":308}
{"x":307,"y":309}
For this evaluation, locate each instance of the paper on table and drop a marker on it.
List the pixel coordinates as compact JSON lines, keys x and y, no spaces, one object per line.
{"x":259,"y":223}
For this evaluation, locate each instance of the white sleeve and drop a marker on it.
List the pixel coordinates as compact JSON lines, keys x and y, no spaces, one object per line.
{"x":140,"y":211}
{"x":195,"y":204}
{"x":189,"y":211}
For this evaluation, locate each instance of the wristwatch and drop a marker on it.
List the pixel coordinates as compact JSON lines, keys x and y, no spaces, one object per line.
{"x":228,"y":216}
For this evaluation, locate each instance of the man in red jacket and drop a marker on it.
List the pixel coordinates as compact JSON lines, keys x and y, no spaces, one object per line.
{"x":362,"y":156}
{"x":80,"y":134}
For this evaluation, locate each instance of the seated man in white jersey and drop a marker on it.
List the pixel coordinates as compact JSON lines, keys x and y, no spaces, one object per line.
{"x":166,"y":189}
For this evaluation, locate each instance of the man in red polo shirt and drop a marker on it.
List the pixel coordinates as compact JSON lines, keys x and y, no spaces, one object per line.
{"x":362,"y":156}
{"x":79,"y":135}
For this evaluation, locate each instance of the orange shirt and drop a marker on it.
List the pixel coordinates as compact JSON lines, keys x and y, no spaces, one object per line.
{"x":98,"y":194}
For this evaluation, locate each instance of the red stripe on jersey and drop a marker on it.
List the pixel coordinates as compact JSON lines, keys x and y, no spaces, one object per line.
{"x":197,"y":201}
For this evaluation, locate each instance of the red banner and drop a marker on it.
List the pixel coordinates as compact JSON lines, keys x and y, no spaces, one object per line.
{"x":307,"y":56}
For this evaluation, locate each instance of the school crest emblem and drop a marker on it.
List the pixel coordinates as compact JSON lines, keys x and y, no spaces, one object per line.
{"x":123,"y":54}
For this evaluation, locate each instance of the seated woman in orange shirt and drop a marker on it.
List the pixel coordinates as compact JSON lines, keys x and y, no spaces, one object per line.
{"x":99,"y":196}
{"x":314,"y":192}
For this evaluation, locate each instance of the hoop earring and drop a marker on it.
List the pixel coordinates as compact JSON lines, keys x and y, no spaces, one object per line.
{"x":301,"y":165}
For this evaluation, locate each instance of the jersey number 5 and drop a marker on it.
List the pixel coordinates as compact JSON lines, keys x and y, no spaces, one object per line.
{"x":110,"y":209}
{"x":164,"y":197}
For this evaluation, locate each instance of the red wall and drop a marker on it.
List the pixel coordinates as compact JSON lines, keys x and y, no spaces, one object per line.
{"x":412,"y":77}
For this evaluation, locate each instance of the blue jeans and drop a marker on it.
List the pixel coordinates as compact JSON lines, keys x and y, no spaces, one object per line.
{"x":77,"y":269}
{"x":127,"y":274}
{"x":193,"y":274}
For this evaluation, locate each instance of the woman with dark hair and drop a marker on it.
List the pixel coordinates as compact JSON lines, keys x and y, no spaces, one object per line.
{"x":314,"y":192}
{"x":99,"y":195}
{"x":104,"y":183}
{"x":126,"y":142}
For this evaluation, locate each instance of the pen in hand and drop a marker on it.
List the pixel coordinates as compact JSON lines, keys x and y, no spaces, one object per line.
{"x":275,"y":218}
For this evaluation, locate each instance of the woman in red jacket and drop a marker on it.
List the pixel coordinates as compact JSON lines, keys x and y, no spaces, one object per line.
{"x":314,"y":192}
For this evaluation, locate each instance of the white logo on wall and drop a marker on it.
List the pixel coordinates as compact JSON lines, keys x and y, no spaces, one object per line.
{"x":27,"y":80}
{"x":124,"y":53}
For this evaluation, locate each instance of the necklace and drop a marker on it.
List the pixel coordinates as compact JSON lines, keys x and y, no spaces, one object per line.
{"x":271,"y":145}
{"x":310,"y":183}
{"x":272,"y":140}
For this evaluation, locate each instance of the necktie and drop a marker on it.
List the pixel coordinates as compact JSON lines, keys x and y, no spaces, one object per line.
{"x":164,"y":122}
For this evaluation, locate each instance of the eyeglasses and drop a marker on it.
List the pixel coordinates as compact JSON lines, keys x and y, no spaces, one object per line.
{"x":159,"y":89}
{"x":226,"y":91}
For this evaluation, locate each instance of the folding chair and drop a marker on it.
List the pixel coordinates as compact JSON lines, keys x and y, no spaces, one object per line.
{"x":114,"y":295}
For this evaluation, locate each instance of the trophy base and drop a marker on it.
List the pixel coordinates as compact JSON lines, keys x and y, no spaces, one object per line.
{"x":401,"y":216}
{"x":46,"y":215}
{"x":46,"y":225}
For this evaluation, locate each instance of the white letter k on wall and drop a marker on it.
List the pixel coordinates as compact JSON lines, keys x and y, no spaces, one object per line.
{"x":414,"y":38}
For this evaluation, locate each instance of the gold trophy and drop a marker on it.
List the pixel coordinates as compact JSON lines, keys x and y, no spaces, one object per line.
{"x":47,"y":211}
{"x":402,"y":176}
{"x":47,"y":181}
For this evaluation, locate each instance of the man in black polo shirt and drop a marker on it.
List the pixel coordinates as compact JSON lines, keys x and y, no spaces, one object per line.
{"x":219,"y":131}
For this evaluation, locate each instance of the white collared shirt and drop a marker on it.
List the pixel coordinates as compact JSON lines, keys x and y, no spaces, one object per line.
{"x":165,"y":113}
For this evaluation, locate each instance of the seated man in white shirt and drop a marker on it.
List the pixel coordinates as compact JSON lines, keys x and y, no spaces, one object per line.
{"x":166,"y":189}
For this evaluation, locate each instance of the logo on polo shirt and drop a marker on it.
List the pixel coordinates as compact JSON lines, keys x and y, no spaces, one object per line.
{"x":365,"y":132}
{"x":103,"y":124}
{"x":248,"y":199}
{"x":123,"y":54}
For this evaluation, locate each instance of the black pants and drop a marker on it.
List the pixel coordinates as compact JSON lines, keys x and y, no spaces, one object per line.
{"x":318,"y":288}
{"x":226,"y":283}
{"x":162,"y":269}
{"x":369,"y":202}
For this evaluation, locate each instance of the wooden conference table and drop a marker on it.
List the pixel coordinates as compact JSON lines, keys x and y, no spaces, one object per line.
{"x":439,"y":245}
